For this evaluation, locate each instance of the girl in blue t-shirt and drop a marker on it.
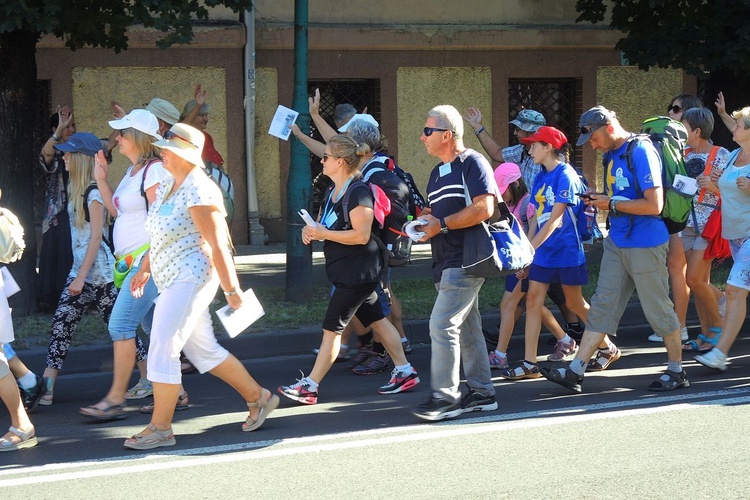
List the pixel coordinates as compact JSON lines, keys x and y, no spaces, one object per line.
{"x":559,"y":254}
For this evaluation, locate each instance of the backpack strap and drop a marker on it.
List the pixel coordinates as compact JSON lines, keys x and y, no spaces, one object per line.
{"x":107,"y":236}
{"x":707,"y":171}
{"x":86,"y":193}
{"x":143,"y":179}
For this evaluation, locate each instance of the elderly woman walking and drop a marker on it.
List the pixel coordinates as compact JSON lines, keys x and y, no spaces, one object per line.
{"x":189,"y":259}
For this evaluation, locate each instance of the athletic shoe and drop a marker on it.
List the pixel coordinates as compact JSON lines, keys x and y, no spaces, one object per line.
{"x":498,"y":362}
{"x":562,"y":350}
{"x":343,"y":354}
{"x":31,"y":397}
{"x":363,"y":354}
{"x":400,"y":382}
{"x":683,"y":336}
{"x":407,"y":346}
{"x":300,"y":391}
{"x":713,"y":359}
{"x":377,"y":363}
{"x":604,"y":358}
{"x":435,"y":409}
{"x":570,"y":380}
{"x":473,"y":401}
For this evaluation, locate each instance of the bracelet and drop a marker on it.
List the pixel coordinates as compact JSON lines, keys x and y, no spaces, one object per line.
{"x":229,"y":294}
{"x":613,"y":207}
{"x":55,"y":138}
{"x":480,"y":131}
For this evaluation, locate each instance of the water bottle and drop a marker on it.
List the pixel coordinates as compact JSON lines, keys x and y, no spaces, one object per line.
{"x":122,"y":266}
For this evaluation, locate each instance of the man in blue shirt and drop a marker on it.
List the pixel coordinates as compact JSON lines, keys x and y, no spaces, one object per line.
{"x":635,"y":254}
{"x":455,"y":323}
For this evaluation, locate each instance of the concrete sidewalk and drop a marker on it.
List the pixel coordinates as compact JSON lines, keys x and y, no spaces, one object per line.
{"x":266,"y":267}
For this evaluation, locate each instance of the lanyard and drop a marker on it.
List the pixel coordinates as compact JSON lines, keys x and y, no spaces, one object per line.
{"x":328,"y":208}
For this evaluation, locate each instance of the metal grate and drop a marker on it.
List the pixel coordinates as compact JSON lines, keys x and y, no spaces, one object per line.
{"x":41,"y":133}
{"x":559,"y":100}
{"x":359,"y":93}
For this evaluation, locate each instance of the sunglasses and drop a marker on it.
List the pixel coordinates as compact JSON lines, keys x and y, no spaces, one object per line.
{"x":590,"y":128}
{"x":674,"y":109}
{"x":169,"y":135}
{"x":429,"y":130}
{"x":326,"y":156}
{"x":124,"y":131}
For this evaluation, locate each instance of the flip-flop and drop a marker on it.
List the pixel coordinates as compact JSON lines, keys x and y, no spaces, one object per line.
{"x":111,"y":412}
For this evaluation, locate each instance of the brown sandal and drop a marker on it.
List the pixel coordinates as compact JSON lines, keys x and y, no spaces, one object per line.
{"x":182,"y":404}
{"x":267,"y":403}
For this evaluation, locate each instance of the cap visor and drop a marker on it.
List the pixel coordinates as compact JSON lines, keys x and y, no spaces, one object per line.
{"x":583,"y":138}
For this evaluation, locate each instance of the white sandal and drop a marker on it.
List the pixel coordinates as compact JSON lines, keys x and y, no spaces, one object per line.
{"x":28,"y":440}
{"x":266,"y":405}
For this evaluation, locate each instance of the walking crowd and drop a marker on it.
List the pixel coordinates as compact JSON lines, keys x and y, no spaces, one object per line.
{"x":162,"y":262}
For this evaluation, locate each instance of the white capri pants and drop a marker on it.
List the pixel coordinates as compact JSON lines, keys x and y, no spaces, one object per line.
{"x":182,"y":322}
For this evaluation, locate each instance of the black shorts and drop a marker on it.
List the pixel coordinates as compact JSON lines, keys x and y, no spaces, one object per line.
{"x":348,"y":301}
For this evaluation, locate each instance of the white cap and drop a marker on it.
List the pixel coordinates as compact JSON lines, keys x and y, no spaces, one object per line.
{"x":139,"y":119}
{"x":364,"y":117}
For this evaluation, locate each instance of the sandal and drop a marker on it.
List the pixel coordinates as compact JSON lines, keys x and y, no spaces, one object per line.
{"x":266,"y":404}
{"x":182,"y":404}
{"x":669,"y":381}
{"x":46,"y":399}
{"x":703,"y":343}
{"x":156,"y":439}
{"x":142,"y":389}
{"x":521,"y":372}
{"x":28,"y":440}
{"x":109,"y":412}
{"x":604,"y":358}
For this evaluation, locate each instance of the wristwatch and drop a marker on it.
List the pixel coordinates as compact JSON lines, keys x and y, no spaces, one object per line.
{"x":443,"y":226}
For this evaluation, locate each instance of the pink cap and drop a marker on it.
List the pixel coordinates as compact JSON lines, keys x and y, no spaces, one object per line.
{"x":506,"y":174}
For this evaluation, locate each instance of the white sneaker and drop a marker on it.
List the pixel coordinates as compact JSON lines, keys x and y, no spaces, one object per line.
{"x":713,"y":359}
{"x":683,"y":336}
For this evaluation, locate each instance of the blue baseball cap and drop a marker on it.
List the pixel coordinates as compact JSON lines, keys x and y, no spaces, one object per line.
{"x":81,"y":142}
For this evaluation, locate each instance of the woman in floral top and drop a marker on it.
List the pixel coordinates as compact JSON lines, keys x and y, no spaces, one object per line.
{"x":707,"y":158}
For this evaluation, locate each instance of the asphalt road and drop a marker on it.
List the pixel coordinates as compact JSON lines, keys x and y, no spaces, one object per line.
{"x":614,"y":440}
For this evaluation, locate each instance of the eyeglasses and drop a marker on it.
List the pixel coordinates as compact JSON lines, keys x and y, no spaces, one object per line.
{"x":674,"y":109}
{"x":326,"y":156}
{"x":169,"y":135}
{"x":427,"y":131}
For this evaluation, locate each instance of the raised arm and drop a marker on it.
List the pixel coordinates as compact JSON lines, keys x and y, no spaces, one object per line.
{"x":65,"y":117}
{"x":492,"y":148}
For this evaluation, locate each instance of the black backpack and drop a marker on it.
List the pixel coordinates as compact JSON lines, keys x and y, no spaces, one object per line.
{"x":416,"y":200}
{"x":398,"y":192}
{"x":108,"y":234}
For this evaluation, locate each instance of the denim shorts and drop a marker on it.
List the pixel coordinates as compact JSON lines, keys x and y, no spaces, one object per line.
{"x":739,"y":275}
{"x":129,"y":312}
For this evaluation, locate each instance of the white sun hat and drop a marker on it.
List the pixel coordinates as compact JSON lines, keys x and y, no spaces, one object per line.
{"x":184,"y":141}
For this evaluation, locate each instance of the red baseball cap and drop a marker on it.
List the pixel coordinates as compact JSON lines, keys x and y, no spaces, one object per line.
{"x":550,"y":135}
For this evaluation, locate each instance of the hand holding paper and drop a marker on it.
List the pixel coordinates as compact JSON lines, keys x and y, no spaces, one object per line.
{"x":281,"y":125}
{"x":235,"y":321}
{"x":410,"y":228}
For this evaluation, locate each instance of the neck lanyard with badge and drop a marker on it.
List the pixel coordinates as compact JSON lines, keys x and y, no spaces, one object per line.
{"x":329,"y":217}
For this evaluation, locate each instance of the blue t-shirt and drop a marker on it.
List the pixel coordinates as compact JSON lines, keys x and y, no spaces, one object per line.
{"x":563,"y":247}
{"x":445,"y":195}
{"x":634,"y":231}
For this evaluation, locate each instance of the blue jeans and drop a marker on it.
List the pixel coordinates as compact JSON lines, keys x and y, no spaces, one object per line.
{"x":130,"y":312}
{"x":456,"y":334}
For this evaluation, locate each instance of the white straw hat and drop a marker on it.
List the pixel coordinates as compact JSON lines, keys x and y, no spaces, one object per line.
{"x":184,"y":141}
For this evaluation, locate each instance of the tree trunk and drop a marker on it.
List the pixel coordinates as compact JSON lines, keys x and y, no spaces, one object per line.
{"x":17,"y":158}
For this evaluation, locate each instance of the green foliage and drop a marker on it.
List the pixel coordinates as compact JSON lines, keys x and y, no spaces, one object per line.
{"x":695,"y":35}
{"x":104,"y":23}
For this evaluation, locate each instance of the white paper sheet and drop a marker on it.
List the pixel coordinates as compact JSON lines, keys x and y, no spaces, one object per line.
{"x":281,"y":125}
{"x":238,"y":320}
{"x":410,"y":228}
{"x":685,"y":185}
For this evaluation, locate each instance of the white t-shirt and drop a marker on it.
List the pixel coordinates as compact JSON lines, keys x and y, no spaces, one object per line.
{"x":130,"y":229}
{"x":176,"y":242}
{"x":102,"y":270}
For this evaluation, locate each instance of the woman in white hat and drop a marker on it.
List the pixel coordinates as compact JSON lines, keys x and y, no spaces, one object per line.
{"x":129,"y":203}
{"x":189,"y":259}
